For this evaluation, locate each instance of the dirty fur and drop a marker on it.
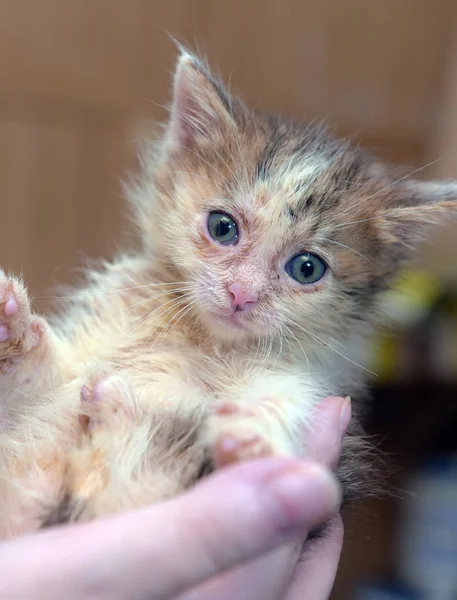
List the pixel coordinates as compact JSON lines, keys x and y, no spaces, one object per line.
{"x":147,"y":379}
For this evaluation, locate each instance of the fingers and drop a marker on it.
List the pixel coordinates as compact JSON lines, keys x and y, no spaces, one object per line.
{"x":315,"y":573}
{"x":327,"y":430}
{"x":265,"y":578}
{"x":158,"y":552}
{"x":232,"y":517}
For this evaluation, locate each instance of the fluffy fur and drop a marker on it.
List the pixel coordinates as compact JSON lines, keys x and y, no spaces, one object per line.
{"x":148,"y":378}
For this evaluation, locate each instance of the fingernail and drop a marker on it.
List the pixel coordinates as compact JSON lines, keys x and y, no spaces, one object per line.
{"x":305,"y":495}
{"x":345,"y":415}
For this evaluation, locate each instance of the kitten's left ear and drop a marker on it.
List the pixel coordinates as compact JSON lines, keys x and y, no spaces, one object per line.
{"x":200,"y":105}
{"x":417,"y":208}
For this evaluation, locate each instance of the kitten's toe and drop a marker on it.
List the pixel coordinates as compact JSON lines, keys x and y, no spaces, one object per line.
{"x":20,"y":330}
{"x":107,"y":404}
{"x":239,"y":446}
{"x":237,"y":432}
{"x":224,"y":409}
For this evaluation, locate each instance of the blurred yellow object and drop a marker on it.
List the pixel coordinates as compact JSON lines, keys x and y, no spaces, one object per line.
{"x":386,"y":357}
{"x":412,"y":296}
{"x":410,"y":300}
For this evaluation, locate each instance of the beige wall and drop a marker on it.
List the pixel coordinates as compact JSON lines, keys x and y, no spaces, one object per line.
{"x":74,"y":74}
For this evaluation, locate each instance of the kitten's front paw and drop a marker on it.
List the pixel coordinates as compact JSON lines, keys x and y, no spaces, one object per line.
{"x":20,"y":330}
{"x":236,"y":434}
{"x":107,"y":404}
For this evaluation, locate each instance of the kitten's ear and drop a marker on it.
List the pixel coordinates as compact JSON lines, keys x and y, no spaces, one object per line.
{"x":200,"y":105}
{"x":418,"y":207}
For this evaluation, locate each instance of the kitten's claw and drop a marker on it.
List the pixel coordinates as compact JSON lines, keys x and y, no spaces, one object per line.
{"x":107,"y":404}
{"x":20,"y":330}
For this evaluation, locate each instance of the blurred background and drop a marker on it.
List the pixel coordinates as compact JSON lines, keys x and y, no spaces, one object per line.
{"x":80,"y":78}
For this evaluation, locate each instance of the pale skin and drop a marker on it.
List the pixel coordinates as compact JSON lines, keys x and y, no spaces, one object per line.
{"x":237,"y":534}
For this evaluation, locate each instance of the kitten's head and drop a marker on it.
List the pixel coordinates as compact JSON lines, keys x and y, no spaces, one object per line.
{"x":274,"y":225}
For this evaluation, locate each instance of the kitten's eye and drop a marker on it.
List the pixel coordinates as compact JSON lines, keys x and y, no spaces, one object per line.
{"x":222,"y":228}
{"x":306,"y":268}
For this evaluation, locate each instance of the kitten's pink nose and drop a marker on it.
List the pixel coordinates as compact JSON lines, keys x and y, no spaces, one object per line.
{"x":241,"y":299}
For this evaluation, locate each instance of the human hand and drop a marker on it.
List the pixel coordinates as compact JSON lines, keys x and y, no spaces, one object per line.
{"x":252,"y":516}
{"x":294,"y":571}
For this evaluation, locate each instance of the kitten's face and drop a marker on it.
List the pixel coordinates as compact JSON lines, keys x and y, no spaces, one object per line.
{"x":263,"y":246}
{"x":274,"y":227}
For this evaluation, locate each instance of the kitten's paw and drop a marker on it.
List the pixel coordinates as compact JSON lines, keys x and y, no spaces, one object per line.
{"x":20,"y":330}
{"x":236,"y":446}
{"x":236,"y":435}
{"x":107,"y":404}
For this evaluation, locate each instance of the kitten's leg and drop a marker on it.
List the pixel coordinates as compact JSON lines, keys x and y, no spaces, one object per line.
{"x":133,"y":449}
{"x":32,"y":363}
{"x":110,"y":435}
{"x":261,"y":417}
{"x":27,"y":345}
{"x":106,"y":473}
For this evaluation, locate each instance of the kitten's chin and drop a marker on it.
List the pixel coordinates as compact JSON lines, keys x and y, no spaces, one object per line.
{"x":229,"y":326}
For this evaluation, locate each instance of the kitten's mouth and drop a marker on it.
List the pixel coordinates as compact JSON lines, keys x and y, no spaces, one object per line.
{"x":236,"y":319}
{"x":232,"y":319}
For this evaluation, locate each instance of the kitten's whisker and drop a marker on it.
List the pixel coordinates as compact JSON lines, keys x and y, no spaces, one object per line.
{"x":183,"y":312}
{"x":280,"y":346}
{"x":260,"y":358}
{"x":253,"y":361}
{"x":299,"y":343}
{"x":269,"y":352}
{"x":291,"y":349}
{"x":359,"y":221}
{"x":257,"y":365}
{"x":266,"y":353}
{"x":250,"y":366}
{"x":163,"y":293}
{"x":182,"y":301}
{"x":116,"y":291}
{"x":386,"y":188}
{"x":348,"y":248}
{"x":310,"y":333}
{"x":433,"y":162}
{"x":159,"y":318}
{"x":152,"y":313}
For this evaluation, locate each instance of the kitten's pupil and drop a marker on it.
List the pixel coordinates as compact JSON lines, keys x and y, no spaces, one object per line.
{"x":223,"y":228}
{"x":307,"y":269}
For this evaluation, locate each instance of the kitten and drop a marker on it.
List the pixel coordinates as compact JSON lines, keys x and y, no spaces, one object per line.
{"x":266,"y":245}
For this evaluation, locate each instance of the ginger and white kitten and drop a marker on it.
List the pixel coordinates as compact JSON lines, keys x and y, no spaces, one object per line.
{"x":265,"y":247}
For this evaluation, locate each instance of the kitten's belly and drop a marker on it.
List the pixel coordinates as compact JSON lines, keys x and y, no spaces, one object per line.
{"x":175,"y":387}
